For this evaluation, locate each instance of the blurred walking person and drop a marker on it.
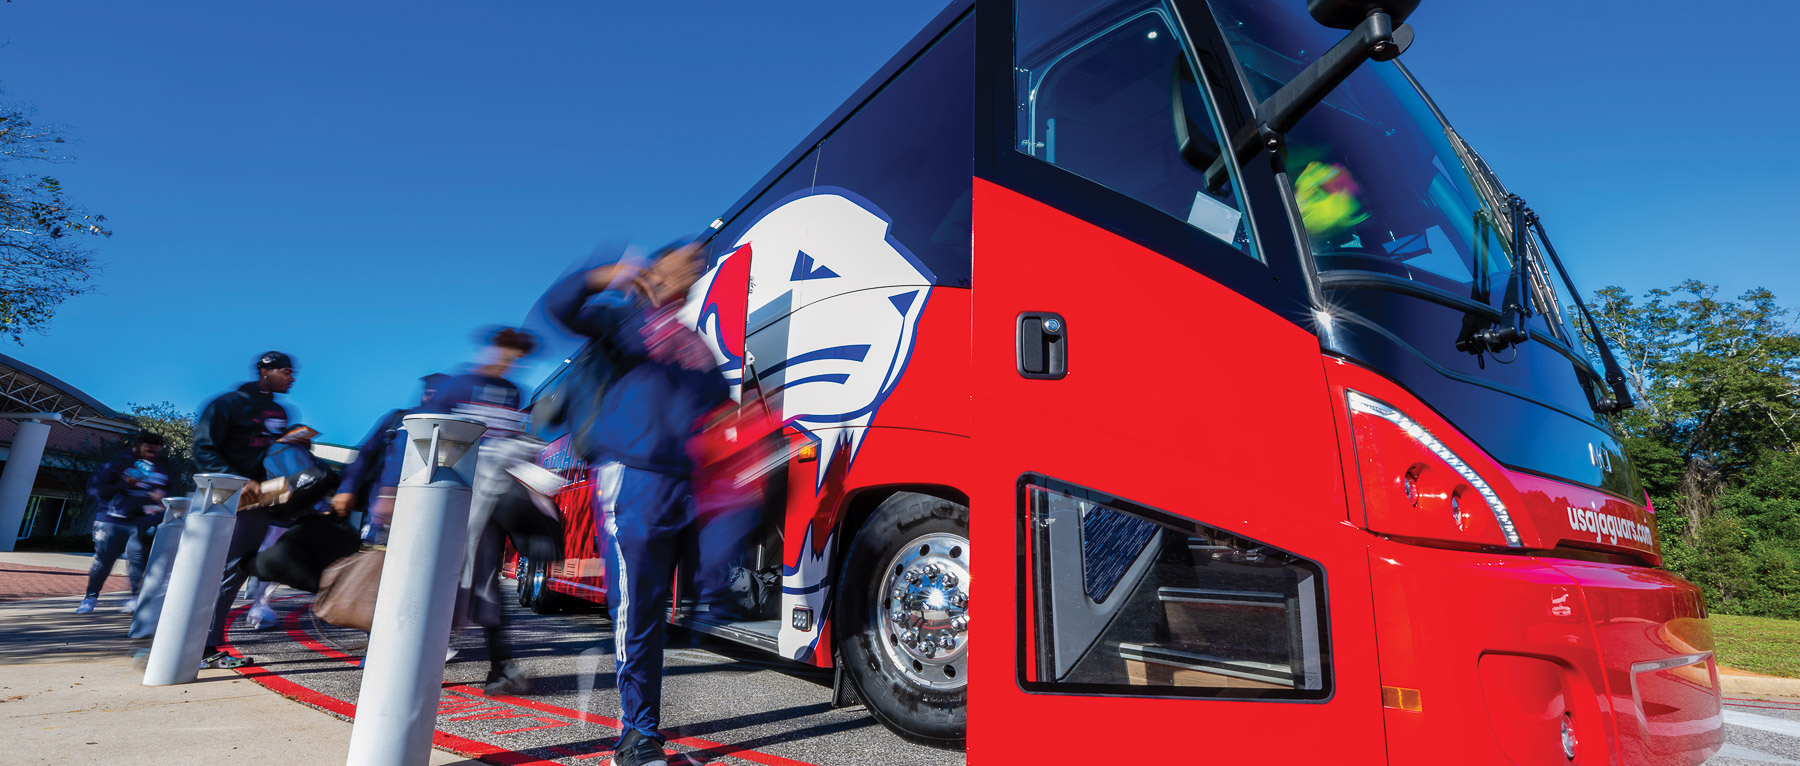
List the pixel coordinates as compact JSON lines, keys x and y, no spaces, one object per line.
{"x":367,"y":484}
{"x":130,"y":489}
{"x":485,"y":394}
{"x":234,"y":431}
{"x":663,"y":383}
{"x":288,"y":457}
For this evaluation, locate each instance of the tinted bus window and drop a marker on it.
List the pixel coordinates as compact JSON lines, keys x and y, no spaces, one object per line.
{"x":909,"y":153}
{"x":1099,"y":95}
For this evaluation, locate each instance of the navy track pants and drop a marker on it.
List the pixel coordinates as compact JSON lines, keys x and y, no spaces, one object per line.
{"x":645,"y":514}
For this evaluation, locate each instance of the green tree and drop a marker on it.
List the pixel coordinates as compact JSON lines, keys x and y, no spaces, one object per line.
{"x":1717,"y":385}
{"x":164,"y":419}
{"x":44,"y":255}
{"x":176,"y":427}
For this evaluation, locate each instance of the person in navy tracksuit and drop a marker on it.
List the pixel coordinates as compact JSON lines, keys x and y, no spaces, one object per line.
{"x":483,"y":393}
{"x":664,"y":381}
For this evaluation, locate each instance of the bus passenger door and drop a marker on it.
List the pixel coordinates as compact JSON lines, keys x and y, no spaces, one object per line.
{"x":1158,"y":526}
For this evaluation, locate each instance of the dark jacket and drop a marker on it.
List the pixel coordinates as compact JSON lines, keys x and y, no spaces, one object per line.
{"x":650,"y":409}
{"x":124,"y":486}
{"x":362,"y":473}
{"x":493,"y":401}
{"x":235,"y":429}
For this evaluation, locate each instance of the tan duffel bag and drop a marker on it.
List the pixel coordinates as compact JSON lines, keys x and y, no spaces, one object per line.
{"x":347,"y":590}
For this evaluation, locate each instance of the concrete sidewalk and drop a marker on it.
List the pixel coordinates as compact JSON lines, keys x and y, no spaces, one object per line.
{"x":68,"y":694}
{"x":60,"y":560}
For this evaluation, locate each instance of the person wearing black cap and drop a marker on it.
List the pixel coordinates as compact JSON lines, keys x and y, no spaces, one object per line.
{"x":233,"y":432}
{"x":130,"y":489}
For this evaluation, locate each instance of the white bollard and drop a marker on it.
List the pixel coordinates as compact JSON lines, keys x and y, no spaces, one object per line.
{"x":156,"y":567}
{"x":403,"y":673}
{"x":187,"y":608}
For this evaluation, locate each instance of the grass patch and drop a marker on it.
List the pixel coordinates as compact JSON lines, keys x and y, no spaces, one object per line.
{"x":1757,"y":644}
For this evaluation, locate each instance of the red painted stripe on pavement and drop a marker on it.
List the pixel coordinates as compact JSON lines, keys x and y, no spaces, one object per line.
{"x":291,"y":624}
{"x":713,"y":749}
{"x":273,"y":682}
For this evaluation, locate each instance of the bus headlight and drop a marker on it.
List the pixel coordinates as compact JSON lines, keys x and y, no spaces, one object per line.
{"x":1414,"y":485}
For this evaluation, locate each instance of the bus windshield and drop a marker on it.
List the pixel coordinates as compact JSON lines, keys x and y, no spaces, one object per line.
{"x":1381,"y":182}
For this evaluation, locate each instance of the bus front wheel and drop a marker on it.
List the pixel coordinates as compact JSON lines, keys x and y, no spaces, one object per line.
{"x":903,"y":611}
{"x":522,"y":579}
{"x":536,"y":592}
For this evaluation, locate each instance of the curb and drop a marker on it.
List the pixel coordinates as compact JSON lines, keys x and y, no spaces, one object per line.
{"x":1732,"y":683}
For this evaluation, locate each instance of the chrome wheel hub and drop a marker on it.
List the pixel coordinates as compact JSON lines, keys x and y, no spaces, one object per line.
{"x":923,"y":611}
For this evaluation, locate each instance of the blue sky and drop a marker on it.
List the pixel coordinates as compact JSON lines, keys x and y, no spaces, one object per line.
{"x":362,"y":184}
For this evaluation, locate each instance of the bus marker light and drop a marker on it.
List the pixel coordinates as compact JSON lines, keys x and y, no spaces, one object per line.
{"x":1400,"y":698}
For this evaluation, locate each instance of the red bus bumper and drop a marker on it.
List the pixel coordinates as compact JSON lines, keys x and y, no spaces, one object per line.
{"x":1487,"y":656}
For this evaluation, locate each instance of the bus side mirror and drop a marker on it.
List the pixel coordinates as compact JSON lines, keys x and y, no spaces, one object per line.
{"x":1346,"y":14}
{"x":1377,"y":36}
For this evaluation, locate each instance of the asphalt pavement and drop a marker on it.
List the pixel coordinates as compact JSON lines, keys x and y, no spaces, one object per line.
{"x":722,"y":704}
{"x":1760,"y":732}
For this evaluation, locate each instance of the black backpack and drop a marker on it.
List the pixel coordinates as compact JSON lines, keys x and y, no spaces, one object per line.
{"x":309,"y":481}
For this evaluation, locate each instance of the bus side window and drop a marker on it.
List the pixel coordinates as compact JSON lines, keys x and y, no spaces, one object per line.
{"x":1099,"y":94}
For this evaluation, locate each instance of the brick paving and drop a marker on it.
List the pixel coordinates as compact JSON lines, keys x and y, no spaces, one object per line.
{"x":19,"y":581}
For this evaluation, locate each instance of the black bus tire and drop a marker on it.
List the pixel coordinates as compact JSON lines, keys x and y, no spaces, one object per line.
{"x":543,"y":599}
{"x":912,"y":700}
{"x":522,"y":581}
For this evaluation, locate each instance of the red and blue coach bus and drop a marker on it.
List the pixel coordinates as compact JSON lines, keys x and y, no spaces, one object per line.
{"x":1275,"y":427}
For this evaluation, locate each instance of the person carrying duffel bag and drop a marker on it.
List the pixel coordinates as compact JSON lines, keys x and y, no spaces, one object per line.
{"x":300,"y":542}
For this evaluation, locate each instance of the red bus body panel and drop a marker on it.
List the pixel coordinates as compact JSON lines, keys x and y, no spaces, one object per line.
{"x":1182,"y":395}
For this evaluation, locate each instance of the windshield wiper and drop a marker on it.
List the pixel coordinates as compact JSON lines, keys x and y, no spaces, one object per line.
{"x":1517,"y":300}
{"x":1524,"y":220}
{"x":1511,"y":328}
{"x":1479,"y":336}
{"x":1615,"y":376}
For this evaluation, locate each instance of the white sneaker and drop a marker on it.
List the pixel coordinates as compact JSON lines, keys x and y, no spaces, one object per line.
{"x":129,"y":606}
{"x":261,"y":617}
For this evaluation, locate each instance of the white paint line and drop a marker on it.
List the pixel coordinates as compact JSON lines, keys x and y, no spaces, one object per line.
{"x":1741,"y":753}
{"x":1762,"y":722}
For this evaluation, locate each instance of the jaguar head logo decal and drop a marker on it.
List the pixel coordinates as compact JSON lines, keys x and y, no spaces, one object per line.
{"x":832,"y":305}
